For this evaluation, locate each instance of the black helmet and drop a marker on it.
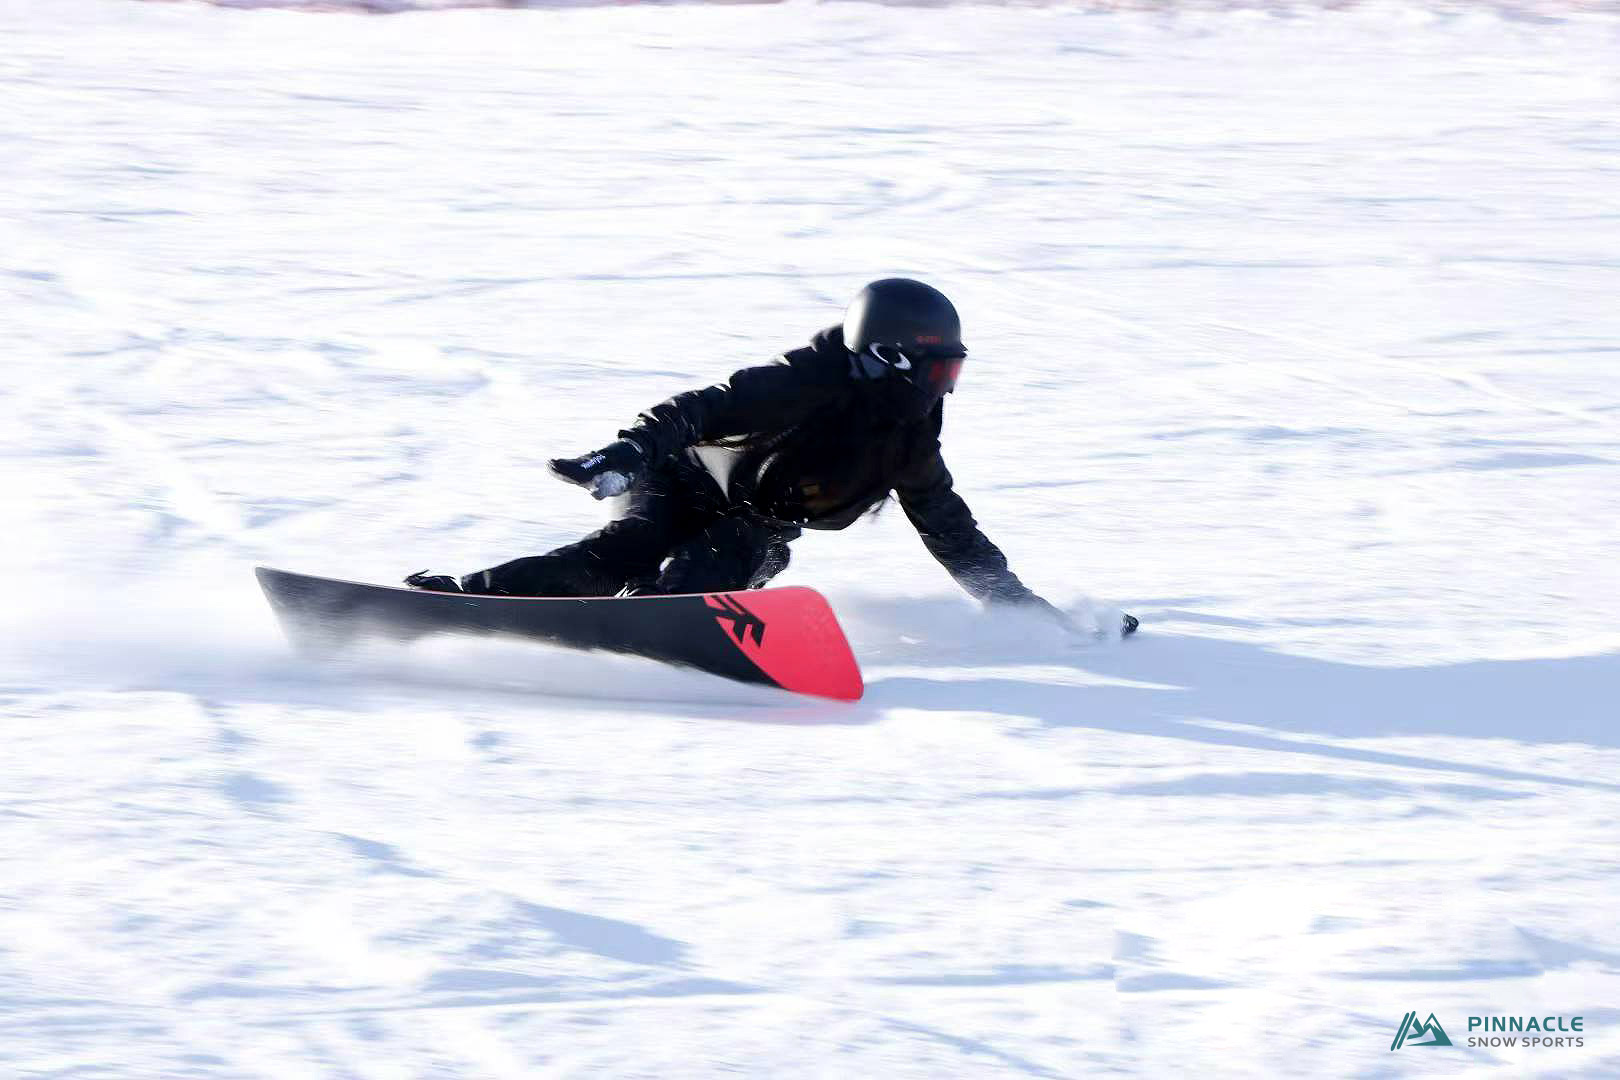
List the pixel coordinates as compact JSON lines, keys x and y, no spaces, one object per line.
{"x":904,"y":337}
{"x":905,"y":314}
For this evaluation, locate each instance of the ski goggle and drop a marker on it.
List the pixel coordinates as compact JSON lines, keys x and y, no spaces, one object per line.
{"x":937,"y":373}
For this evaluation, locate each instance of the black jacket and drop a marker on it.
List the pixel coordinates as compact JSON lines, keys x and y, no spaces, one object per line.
{"x":815,"y":447}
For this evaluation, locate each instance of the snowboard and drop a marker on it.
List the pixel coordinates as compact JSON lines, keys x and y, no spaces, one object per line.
{"x":785,"y":637}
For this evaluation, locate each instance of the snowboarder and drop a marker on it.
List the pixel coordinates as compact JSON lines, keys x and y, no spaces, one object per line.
{"x":721,"y":480}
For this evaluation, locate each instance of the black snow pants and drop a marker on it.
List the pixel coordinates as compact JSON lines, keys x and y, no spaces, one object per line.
{"x":678,"y":534}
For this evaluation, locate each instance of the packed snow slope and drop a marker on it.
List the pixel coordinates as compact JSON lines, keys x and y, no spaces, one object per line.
{"x":1297,"y":336}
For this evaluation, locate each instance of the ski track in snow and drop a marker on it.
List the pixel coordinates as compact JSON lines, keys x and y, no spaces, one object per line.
{"x":1293,"y":335}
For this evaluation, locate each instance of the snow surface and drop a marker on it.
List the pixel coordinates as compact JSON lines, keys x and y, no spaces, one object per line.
{"x":1295,"y":335}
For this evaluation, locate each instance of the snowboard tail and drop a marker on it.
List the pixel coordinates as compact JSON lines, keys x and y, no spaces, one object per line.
{"x":786,"y":637}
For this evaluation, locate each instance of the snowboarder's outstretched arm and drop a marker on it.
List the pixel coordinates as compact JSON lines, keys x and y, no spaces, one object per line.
{"x":767,"y":397}
{"x":947,"y":528}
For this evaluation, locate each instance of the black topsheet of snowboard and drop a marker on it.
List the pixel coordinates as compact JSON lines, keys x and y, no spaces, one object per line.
{"x":320,"y":615}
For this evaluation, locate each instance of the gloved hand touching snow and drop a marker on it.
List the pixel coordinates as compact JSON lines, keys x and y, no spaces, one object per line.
{"x":612,"y":470}
{"x":1128,"y":623}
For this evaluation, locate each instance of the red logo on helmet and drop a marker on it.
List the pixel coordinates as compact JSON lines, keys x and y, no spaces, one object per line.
{"x":930,"y":339}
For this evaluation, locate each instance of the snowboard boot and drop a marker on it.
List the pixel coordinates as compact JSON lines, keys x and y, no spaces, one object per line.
{"x":734,"y":553}
{"x":433,"y":582}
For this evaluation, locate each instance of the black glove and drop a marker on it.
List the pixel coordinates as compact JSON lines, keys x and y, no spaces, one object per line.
{"x":612,"y":470}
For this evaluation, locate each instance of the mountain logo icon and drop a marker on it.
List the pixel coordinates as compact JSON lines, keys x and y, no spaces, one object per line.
{"x":1411,"y":1031}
